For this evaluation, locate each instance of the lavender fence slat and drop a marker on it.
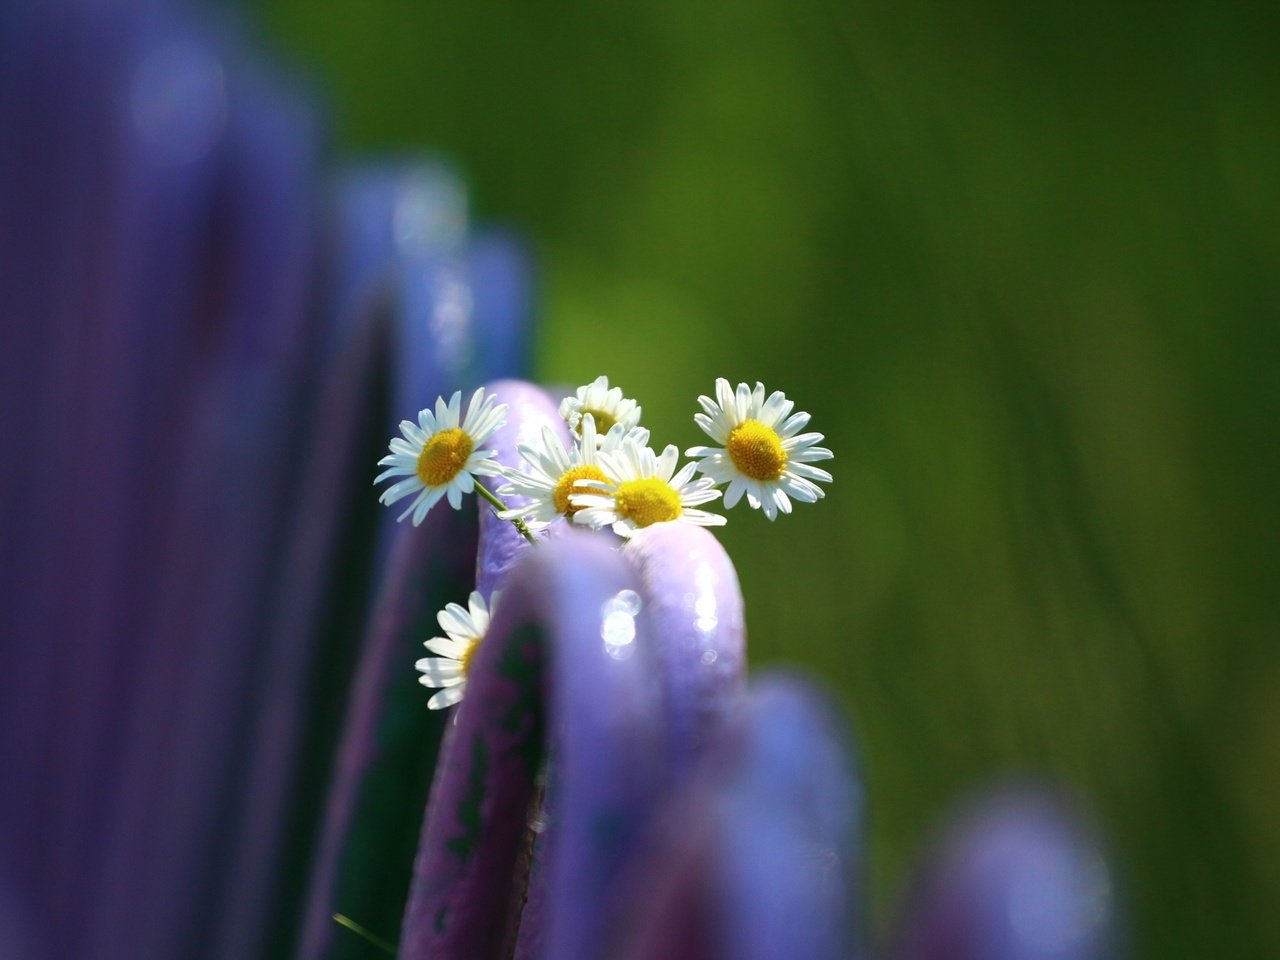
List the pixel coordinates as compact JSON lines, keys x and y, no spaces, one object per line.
{"x":544,"y":668}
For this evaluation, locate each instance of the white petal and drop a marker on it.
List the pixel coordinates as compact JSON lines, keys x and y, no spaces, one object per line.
{"x":447,"y":647}
{"x":400,"y":490}
{"x":717,"y":471}
{"x":455,"y":620}
{"x":592,"y":501}
{"x":810,"y":454}
{"x":808,"y":472}
{"x":446,"y":698}
{"x":437,"y":671}
{"x":775,"y":409}
{"x":696,"y":496}
{"x":733,"y":494}
{"x":797,"y":422}
{"x":476,"y":408}
{"x":418,"y":434}
{"x":724,"y":396}
{"x":594,"y":517}
{"x":422,"y":495}
{"x":702,"y":518}
{"x":684,"y":476}
{"x":717,"y":430}
{"x":802,"y":490}
{"x":552,"y":450}
{"x":780,"y":498}
{"x":666,"y":464}
{"x":485,"y":467}
{"x":803,"y":440}
{"x":429,"y":499}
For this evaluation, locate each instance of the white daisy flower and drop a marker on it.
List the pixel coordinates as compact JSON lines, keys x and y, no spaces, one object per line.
{"x":762,"y":453}
{"x":641,"y":491}
{"x":552,"y":471}
{"x":440,"y":457}
{"x":606,"y":406}
{"x":465,"y":630}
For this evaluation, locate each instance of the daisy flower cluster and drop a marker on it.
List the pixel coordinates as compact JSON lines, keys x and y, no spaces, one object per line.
{"x":608,"y":476}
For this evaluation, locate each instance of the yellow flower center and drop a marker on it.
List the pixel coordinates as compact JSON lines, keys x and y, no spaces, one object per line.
{"x":443,"y":456}
{"x":566,"y":487}
{"x":756,"y":450}
{"x":468,"y":655}
{"x":647,"y":501}
{"x":604,"y":421}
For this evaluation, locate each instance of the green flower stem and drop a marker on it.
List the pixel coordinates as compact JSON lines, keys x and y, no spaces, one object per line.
{"x":499,"y":505}
{"x":355,"y":928}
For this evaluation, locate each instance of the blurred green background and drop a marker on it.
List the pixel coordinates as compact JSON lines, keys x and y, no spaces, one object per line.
{"x":1022,"y":264}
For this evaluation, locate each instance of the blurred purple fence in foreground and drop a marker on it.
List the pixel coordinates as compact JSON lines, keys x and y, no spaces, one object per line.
{"x":213,"y":738}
